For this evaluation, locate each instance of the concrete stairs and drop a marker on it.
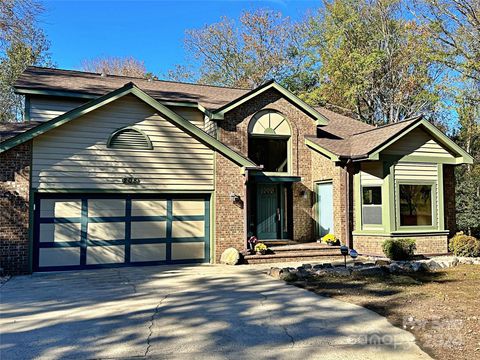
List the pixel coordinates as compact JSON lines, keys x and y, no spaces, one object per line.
{"x":292,"y":252}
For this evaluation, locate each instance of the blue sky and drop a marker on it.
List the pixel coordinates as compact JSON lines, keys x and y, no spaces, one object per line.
{"x":152,"y":30}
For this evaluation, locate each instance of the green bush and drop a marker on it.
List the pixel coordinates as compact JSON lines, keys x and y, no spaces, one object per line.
{"x":399,"y":249}
{"x":464,"y":245}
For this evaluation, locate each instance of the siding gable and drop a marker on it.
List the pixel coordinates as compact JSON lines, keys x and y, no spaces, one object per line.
{"x":75,"y":155}
{"x":418,"y":143}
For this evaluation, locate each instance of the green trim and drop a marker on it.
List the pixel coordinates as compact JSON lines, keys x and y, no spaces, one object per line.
{"x":463,"y":158}
{"x":113,"y":134}
{"x":129,"y":88}
{"x":357,"y":200}
{"x":79,"y":95}
{"x":321,"y":150}
{"x":220,"y":113}
{"x":123,"y":191}
{"x":60,"y":93}
{"x":274,"y":178}
{"x":401,"y":233}
{"x":435,"y":212}
{"x":440,"y":196}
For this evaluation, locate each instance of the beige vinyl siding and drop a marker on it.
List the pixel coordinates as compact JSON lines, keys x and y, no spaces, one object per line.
{"x":416,"y":171}
{"x":44,"y":108}
{"x":371,"y":174}
{"x":418,"y":143}
{"x":74,"y":156}
{"x":193,"y":115}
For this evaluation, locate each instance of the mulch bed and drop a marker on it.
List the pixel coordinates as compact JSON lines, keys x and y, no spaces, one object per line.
{"x":441,"y":308}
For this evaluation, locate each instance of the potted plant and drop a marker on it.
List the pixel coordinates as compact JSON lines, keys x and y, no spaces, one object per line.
{"x":330,"y":239}
{"x":261,"y":249}
{"x":251,"y":242}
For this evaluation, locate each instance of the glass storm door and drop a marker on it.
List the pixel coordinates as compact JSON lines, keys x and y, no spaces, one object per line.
{"x":325,"y":208}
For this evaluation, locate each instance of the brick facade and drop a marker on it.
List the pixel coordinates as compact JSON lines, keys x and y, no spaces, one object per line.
{"x":14,"y":209}
{"x":233,"y":131}
{"x":431,"y":244}
{"x":449,"y":199}
{"x":229,"y":216}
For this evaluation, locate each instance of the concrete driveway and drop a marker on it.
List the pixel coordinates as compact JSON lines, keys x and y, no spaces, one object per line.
{"x":189,"y":312}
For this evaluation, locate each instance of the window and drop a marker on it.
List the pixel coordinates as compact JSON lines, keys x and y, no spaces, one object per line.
{"x":372,"y":205}
{"x":129,"y":138}
{"x":268,"y":142}
{"x":416,"y":205}
{"x":271,"y":153}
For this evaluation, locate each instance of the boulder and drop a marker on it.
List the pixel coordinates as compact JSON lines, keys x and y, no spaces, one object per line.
{"x":230,"y":256}
{"x":307,"y":266}
{"x":419,"y":266}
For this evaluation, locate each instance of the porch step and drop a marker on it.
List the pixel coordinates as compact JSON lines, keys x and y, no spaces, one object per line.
{"x":295,"y":252}
{"x":289,"y":256}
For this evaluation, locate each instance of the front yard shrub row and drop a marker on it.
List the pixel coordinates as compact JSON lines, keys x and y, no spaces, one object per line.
{"x":399,"y":249}
{"x":464,"y":245}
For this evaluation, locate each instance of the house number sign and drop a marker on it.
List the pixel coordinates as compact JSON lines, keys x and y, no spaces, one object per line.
{"x":131,"y":180}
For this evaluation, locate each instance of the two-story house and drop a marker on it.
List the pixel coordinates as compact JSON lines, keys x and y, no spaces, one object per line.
{"x":115,"y":171}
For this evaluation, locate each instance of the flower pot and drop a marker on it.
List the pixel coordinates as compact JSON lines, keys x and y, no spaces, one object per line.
{"x":261,"y":252}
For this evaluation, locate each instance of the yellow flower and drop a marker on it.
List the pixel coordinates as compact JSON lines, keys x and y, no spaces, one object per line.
{"x":329,"y":238}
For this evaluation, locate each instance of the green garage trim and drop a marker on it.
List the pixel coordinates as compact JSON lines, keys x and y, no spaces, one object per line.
{"x":126,"y":243}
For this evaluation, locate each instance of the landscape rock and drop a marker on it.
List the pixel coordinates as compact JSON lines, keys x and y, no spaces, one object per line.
{"x":230,"y":256}
{"x":367,"y":271}
{"x":419,"y":266}
{"x":383,"y":262}
{"x":275,"y":272}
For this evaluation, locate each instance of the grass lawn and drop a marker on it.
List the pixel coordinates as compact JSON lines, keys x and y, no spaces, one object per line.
{"x":442,"y":309}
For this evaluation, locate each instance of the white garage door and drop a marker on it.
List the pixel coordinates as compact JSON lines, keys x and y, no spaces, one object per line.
{"x":78,"y":232}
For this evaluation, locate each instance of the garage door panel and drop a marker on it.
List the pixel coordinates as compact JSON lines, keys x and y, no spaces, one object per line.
{"x":106,"y":231}
{"x":188,"y":207}
{"x":61,"y":208}
{"x":97,"y":255}
{"x":148,"y":230}
{"x":188,"y":250}
{"x":65,"y":256}
{"x":106,"y":207}
{"x":91,"y":231}
{"x":148,"y":252}
{"x":149,"y":207}
{"x":188,"y":229}
{"x":60,"y":232}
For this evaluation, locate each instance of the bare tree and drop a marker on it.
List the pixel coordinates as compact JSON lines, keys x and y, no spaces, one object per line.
{"x":246,"y":52}
{"x":124,"y":66}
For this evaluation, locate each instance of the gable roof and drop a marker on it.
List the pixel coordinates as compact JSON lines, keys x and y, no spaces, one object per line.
{"x":129,"y":88}
{"x":367,"y":145}
{"x":219,"y":113}
{"x":72,"y":83}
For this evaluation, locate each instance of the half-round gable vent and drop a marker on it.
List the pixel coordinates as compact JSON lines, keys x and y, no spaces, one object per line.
{"x":129,"y":138}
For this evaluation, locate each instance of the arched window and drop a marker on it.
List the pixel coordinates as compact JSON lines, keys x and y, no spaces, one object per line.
{"x":129,"y":138}
{"x":269,"y":141}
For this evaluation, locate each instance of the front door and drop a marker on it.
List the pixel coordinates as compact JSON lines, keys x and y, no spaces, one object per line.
{"x":325,"y":208}
{"x":271,"y":211}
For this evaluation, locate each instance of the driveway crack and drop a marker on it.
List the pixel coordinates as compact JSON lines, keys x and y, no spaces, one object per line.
{"x":152,"y":322}
{"x":283,"y":327}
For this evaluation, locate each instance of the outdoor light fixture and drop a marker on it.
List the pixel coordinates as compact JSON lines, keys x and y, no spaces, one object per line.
{"x":234,"y":197}
{"x":353,"y":254}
